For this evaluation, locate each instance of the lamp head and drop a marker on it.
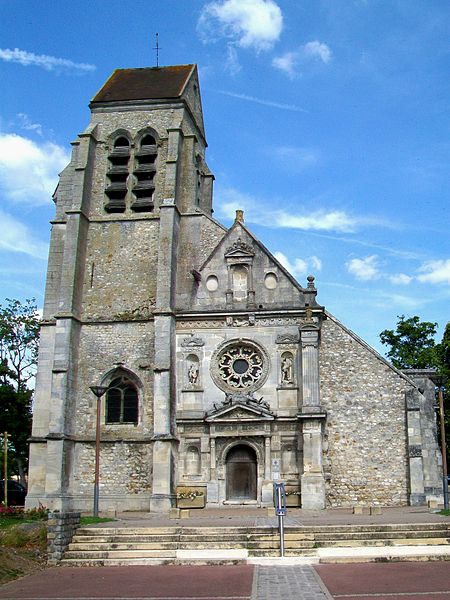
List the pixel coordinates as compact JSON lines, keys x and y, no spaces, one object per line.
{"x":98,"y":390}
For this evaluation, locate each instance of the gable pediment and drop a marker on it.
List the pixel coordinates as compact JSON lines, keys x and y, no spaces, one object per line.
{"x":239,"y":249}
{"x":239,"y":409}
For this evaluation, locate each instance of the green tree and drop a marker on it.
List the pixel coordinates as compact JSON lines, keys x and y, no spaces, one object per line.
{"x":443,"y":354}
{"x":19,"y":335}
{"x":411,"y":344}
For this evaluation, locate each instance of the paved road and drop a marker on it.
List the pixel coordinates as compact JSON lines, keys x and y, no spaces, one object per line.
{"x":168,"y":582}
{"x":387,"y":581}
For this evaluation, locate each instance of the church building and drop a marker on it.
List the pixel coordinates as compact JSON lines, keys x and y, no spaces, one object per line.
{"x":222,"y":373}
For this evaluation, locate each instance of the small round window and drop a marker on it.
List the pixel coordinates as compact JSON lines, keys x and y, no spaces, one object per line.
{"x":270,"y":281}
{"x":212,"y":283}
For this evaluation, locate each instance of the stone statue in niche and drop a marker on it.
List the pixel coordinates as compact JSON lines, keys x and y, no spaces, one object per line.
{"x":287,"y":366}
{"x":193,"y":373}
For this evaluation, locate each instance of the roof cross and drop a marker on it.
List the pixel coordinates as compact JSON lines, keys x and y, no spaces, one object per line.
{"x":157,"y":48}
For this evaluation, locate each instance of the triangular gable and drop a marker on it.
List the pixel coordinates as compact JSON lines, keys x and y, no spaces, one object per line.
{"x":269,"y":285}
{"x":240,"y":411}
{"x":226,"y":243}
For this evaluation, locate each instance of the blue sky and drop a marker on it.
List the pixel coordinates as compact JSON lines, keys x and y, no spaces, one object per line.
{"x":328,"y":122}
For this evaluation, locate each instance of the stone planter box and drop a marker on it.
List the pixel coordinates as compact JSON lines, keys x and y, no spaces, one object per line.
{"x":191,"y":496}
{"x":293,"y":500}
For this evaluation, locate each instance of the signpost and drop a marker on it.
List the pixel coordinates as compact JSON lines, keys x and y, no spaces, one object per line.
{"x":280,"y":510}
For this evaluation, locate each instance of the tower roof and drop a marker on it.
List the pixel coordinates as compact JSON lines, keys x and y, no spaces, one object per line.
{"x":145,"y":84}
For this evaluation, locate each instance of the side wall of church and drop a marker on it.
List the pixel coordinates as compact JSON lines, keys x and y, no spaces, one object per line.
{"x":366,"y":439}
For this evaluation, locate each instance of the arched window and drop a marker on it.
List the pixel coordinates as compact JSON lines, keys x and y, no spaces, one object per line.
{"x":122,"y":401}
{"x":144,"y":173}
{"x":117,"y":174}
{"x":121,"y":142}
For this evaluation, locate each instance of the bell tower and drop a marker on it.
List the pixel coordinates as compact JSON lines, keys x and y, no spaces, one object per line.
{"x":135,"y":172}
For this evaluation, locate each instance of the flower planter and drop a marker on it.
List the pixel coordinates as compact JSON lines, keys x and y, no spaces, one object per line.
{"x":191,"y":496}
{"x":293,"y":496}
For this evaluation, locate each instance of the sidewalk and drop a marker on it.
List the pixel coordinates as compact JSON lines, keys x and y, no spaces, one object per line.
{"x":296,"y":517}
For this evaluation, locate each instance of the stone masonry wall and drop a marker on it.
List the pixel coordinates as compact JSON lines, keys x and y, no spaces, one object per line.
{"x":125,"y":475}
{"x":104,"y":348}
{"x":126,"y":449}
{"x":120,"y":274}
{"x":365,"y":437}
{"x":199,"y":235}
{"x":60,"y":530}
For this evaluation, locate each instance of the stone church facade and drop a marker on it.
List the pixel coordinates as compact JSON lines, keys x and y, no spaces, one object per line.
{"x":223,"y":373}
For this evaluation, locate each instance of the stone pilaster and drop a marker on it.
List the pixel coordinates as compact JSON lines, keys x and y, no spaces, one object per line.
{"x":416,"y":481}
{"x":164,"y":442}
{"x":313,"y":482}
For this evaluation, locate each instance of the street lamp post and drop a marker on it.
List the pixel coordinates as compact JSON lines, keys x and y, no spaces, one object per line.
{"x":98,"y":391}
{"x":440,"y":381}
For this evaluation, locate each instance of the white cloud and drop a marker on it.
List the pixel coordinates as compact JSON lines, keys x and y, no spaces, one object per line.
{"x":49,"y":63}
{"x":400,"y":279}
{"x":27,"y":124}
{"x":319,"y":50}
{"x":16,"y":237}
{"x":316,"y":263}
{"x":257,"y":211}
{"x":29,"y":170}
{"x":232,"y":64}
{"x":292,"y":107}
{"x":364,"y":269}
{"x":318,"y":220}
{"x":435,"y":271}
{"x":289,"y":62}
{"x":300,"y":267}
{"x":296,"y":158}
{"x":249,"y":23}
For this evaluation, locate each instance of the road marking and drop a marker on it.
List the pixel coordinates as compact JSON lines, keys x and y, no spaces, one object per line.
{"x":389,"y":594}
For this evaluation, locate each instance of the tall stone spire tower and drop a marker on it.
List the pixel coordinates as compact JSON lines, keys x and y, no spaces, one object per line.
{"x":136,"y":183}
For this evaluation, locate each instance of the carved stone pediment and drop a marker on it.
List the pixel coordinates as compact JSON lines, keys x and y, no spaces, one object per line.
{"x":239,"y":248}
{"x":239,"y":412}
{"x":240,"y":407}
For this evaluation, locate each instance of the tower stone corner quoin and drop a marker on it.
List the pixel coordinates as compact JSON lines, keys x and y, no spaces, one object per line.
{"x":223,"y":373}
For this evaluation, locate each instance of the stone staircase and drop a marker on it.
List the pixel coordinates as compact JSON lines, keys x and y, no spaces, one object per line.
{"x":160,"y":545}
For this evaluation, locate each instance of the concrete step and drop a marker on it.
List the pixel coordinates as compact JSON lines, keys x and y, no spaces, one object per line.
{"x":223,"y":545}
{"x":422,"y":533}
{"x":380,"y":543}
{"x":97,"y":554}
{"x":85,"y":547}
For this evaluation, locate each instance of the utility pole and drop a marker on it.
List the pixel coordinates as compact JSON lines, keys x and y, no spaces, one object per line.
{"x":440,"y":384}
{"x":5,"y":467}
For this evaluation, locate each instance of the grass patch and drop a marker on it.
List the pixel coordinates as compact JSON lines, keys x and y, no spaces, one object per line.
{"x":445,"y":512}
{"x":94,"y":520}
{"x":12,"y":515}
{"x":6,"y":522}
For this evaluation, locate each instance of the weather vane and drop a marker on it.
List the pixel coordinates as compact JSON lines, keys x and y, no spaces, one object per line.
{"x":157,"y":48}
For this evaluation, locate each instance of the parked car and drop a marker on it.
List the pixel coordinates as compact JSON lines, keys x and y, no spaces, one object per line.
{"x":16,"y":492}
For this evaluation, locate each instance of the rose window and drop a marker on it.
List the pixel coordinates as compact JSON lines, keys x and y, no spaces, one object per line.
{"x":239,"y":366}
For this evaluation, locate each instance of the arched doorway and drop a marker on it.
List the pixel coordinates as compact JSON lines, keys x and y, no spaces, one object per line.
{"x":241,"y":473}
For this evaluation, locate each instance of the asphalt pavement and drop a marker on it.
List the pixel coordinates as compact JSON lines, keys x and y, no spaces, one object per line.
{"x":379,"y":581}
